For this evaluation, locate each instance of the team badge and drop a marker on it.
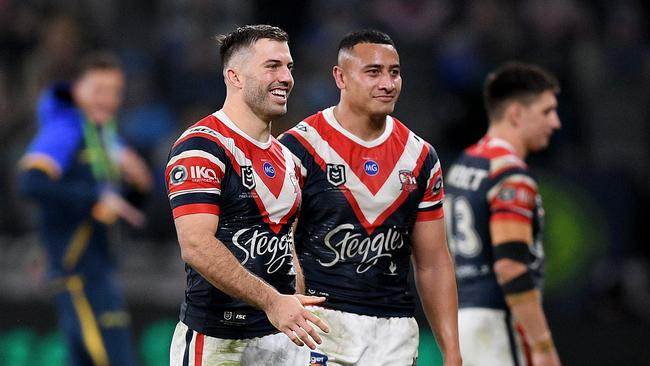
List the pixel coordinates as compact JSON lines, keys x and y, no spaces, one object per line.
{"x":178,"y":175}
{"x":227,"y":315}
{"x":269,"y":170}
{"x":317,"y":359}
{"x":407,"y":178}
{"x":247,"y":177}
{"x":336,"y":174}
{"x":371,"y":168}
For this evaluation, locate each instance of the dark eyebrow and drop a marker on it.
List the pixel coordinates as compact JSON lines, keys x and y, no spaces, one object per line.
{"x":380,"y":66}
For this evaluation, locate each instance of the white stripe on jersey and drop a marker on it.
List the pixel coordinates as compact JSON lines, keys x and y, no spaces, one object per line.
{"x":197,"y":154}
{"x":501,"y":162}
{"x":372,"y":206}
{"x":195,"y":190}
{"x":426,"y":204}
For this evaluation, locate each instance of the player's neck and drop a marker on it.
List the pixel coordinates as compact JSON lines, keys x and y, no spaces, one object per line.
{"x":511,"y":136}
{"x":247,"y":121}
{"x":360,"y":124}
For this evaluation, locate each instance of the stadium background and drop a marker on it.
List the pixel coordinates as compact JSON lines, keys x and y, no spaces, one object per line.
{"x":594,"y":177}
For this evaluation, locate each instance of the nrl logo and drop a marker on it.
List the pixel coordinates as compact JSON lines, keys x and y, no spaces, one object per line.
{"x":336,"y":174}
{"x":247,"y":178}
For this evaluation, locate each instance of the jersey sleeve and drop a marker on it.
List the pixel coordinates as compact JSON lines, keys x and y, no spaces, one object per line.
{"x":430,"y":208}
{"x":513,"y":197}
{"x":194,"y":174}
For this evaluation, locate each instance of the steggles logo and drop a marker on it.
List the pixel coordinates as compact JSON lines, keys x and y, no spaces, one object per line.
{"x":344,"y":243}
{"x":263,"y":244}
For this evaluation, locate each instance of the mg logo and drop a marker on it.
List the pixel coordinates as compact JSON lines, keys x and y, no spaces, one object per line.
{"x":269,"y":170}
{"x":336,"y":174}
{"x":247,"y":177}
{"x":371,"y":168}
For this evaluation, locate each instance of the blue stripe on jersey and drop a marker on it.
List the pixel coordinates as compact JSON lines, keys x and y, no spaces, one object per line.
{"x":199,"y":143}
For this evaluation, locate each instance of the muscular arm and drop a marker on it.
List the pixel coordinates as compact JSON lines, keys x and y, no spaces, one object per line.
{"x":436,"y":284}
{"x":210,"y":257}
{"x":526,"y":306}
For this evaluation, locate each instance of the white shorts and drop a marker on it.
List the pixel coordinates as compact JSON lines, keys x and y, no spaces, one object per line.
{"x":362,"y":340}
{"x":190,"y":348}
{"x":487,"y":338}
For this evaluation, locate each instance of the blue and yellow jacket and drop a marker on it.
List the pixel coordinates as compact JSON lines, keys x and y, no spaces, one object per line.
{"x":56,"y":173}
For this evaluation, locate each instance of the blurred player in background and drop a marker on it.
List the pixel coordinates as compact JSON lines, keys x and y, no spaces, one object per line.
{"x":372,"y":199}
{"x":234,"y":193}
{"x":495,"y":218}
{"x":73,"y":170}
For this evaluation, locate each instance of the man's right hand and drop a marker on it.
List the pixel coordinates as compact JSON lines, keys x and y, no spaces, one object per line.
{"x":288,"y":314}
{"x":111,"y":206}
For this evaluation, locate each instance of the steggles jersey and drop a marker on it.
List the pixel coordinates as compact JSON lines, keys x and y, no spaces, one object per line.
{"x":360,"y":202}
{"x":253,"y":187}
{"x":488,"y":182}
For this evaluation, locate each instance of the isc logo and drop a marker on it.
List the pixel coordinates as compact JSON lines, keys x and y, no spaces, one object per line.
{"x":371,"y":168}
{"x":201,"y":172}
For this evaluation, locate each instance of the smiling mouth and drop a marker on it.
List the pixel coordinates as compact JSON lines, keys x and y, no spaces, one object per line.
{"x":280,"y":93}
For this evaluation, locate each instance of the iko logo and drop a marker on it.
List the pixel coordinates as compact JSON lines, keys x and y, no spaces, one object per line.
{"x":201,"y":173}
{"x":247,"y":176}
{"x":178,"y":175}
{"x":317,"y":359}
{"x":269,"y":170}
{"x":371,"y":168}
{"x":336,"y":174}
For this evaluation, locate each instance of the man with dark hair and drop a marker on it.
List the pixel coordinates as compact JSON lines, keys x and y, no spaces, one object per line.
{"x":494,"y":215}
{"x":234,"y":194}
{"x":372,"y":199}
{"x":73,"y":170}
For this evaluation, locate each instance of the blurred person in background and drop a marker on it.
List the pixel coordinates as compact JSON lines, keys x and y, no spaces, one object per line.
{"x":73,"y":170}
{"x":494,"y":218}
{"x":233,"y":190}
{"x":372,"y":200}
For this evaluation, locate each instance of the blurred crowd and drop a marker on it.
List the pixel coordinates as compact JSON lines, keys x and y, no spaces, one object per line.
{"x":600,"y":51}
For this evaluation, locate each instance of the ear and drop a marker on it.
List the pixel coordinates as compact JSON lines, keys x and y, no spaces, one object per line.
{"x":233,"y":77}
{"x":337,"y":73}
{"x":513,"y":113}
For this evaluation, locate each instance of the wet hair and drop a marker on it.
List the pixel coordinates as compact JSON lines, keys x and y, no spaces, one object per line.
{"x":98,"y":60}
{"x":246,"y":36}
{"x":364,"y":36}
{"x":516,"y":81}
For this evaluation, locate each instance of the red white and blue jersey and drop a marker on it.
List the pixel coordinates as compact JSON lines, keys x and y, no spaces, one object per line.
{"x":215,"y":168}
{"x":488,"y":183}
{"x":360,"y":202}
